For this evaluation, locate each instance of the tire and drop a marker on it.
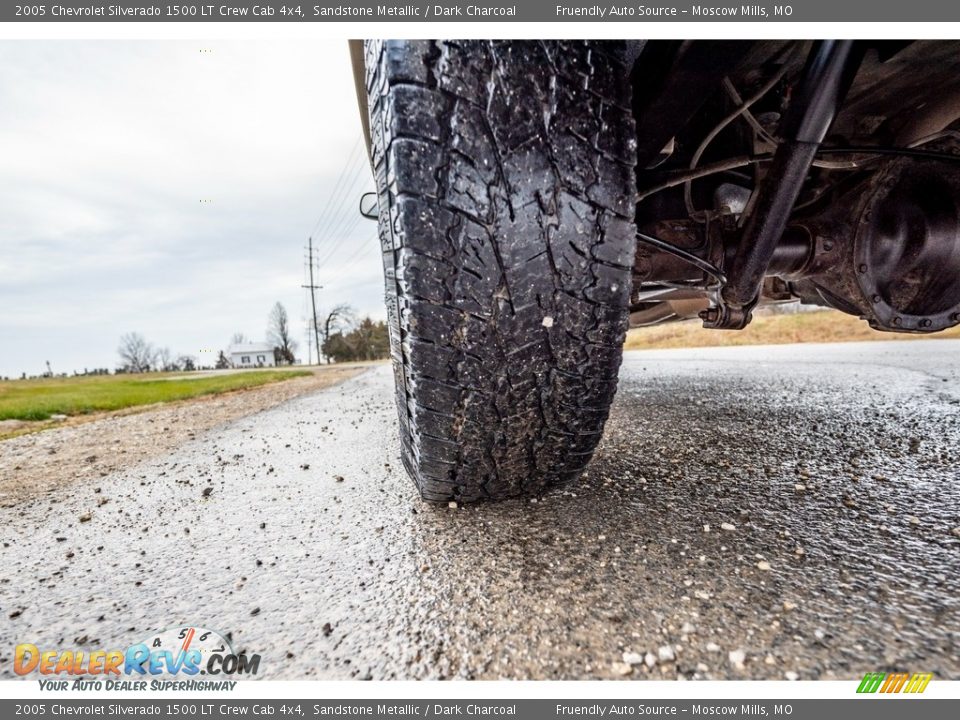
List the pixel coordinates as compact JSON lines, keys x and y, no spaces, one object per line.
{"x":505,"y":175}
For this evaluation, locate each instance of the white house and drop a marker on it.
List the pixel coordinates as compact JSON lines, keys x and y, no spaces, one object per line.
{"x":251,"y":355}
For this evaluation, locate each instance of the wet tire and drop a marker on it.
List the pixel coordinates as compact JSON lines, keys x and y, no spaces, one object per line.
{"x":505,"y":174}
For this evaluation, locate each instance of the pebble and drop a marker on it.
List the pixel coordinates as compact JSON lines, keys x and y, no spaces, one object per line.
{"x":729,"y":527}
{"x":789,"y":606}
{"x":86,"y":517}
{"x":737,"y":658}
{"x":790,"y":675}
{"x":665,"y":653}
{"x":712,"y":647}
{"x":763,"y":565}
{"x":622,"y":668}
{"x":633,"y":658}
{"x":452,"y":504}
{"x":650,"y":660}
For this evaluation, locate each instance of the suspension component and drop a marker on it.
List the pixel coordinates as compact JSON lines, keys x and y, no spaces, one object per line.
{"x":825,"y":79}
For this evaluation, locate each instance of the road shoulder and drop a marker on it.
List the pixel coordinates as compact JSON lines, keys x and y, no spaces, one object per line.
{"x":89,"y":448}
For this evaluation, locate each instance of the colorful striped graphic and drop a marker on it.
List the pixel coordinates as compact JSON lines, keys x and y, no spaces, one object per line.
{"x":894,"y":682}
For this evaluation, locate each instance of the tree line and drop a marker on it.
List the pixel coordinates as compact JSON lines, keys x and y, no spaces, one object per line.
{"x":343,"y":337}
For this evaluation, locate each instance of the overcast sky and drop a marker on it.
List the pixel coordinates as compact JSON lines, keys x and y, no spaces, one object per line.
{"x":107,"y":150}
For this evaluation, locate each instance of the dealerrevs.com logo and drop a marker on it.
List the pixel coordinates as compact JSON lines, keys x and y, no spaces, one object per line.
{"x":179,"y":652}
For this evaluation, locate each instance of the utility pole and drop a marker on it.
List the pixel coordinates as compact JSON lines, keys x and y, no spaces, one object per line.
{"x":309,"y":345}
{"x":313,"y":299}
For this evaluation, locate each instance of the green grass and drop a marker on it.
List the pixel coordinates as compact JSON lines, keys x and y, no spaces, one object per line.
{"x":39,"y":399}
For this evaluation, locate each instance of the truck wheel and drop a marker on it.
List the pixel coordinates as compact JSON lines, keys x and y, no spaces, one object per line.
{"x":505,"y":174}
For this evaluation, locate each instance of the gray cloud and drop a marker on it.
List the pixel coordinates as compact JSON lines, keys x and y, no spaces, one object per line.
{"x":108,"y":150}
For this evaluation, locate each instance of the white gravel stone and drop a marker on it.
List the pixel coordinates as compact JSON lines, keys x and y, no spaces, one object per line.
{"x":729,"y":527}
{"x":737,"y":658}
{"x":665,"y":653}
{"x":633,"y":658}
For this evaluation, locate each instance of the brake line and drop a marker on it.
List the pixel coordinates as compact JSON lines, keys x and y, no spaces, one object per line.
{"x":685,"y":255}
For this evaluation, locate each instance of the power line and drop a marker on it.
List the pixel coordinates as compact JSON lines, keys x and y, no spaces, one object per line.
{"x":342,"y":236}
{"x":338,"y":194}
{"x":348,"y":221}
{"x":344,"y":210}
{"x":358,"y":253}
{"x":347,"y":163}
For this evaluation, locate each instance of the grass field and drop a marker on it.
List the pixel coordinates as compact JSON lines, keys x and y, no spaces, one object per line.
{"x":39,"y":399}
{"x":821,"y":327}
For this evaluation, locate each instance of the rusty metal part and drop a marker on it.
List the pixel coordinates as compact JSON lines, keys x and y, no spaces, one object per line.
{"x":891,"y":251}
{"x":668,"y":310}
{"x":714,"y":247}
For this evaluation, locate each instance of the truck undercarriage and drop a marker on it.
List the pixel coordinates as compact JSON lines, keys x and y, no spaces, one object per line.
{"x":825,"y":172}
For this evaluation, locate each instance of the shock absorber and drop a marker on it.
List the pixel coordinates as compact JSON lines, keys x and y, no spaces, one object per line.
{"x":826,"y":76}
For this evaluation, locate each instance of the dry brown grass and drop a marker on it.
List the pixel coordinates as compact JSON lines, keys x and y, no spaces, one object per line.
{"x":821,"y":327}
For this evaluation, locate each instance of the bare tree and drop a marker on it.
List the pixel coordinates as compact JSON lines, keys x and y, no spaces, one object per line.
{"x":187,"y":363}
{"x":278,"y":334}
{"x":136,"y":354}
{"x":339,"y":317}
{"x":164,"y":360}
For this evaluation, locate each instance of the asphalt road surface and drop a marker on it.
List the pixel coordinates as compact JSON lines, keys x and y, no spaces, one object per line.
{"x":768,"y":512}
